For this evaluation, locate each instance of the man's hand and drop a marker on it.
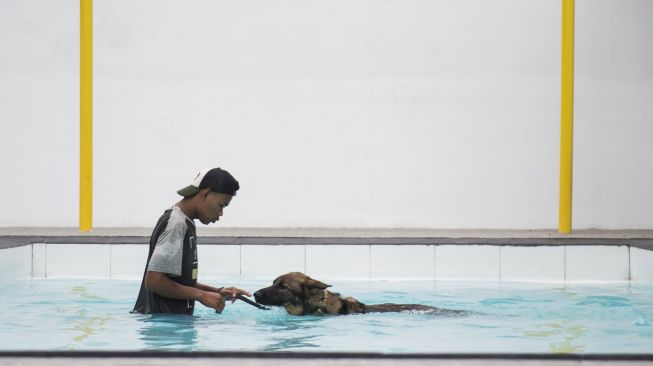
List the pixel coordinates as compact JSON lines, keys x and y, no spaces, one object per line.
{"x":212,"y":300}
{"x":231,"y":293}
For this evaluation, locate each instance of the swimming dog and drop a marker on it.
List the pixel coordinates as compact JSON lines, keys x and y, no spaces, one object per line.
{"x":303,"y":295}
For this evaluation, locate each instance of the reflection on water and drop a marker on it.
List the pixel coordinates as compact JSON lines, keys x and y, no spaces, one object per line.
{"x":298,"y":342}
{"x":168,"y":331}
{"x":606,"y":301}
{"x":565,"y":333}
{"x":297,"y":332}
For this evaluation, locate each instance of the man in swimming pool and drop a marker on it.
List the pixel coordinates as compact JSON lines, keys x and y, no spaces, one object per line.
{"x":170,"y":281}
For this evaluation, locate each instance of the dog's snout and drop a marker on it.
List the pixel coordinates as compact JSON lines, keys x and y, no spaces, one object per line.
{"x":258,"y":296}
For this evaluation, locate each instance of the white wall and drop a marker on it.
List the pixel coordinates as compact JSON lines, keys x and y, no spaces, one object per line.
{"x":363,"y":113}
{"x":614,"y":114}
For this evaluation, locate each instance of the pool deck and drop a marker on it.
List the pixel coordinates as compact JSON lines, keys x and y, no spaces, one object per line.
{"x":336,"y":232}
{"x":17,"y":236}
{"x":318,"y":361}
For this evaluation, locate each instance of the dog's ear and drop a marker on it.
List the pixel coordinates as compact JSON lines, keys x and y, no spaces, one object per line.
{"x":311,"y":283}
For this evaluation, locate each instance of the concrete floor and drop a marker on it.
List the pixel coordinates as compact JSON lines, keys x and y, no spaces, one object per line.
{"x":306,"y":362}
{"x":332,"y":232}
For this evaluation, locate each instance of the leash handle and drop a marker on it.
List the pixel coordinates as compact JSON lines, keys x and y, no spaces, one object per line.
{"x":253,"y":303}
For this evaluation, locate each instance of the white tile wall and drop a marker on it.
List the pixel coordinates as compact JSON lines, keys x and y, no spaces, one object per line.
{"x":78,"y":260}
{"x":128,"y":260}
{"x":6,"y":264}
{"x":329,"y":262}
{"x":405,"y":262}
{"x":467,"y":262}
{"x":15,"y":263}
{"x":38,"y":260}
{"x":597,"y":263}
{"x":641,"y":265}
{"x":23,"y":261}
{"x":270,"y":261}
{"x":218,"y":261}
{"x":336,"y":262}
{"x":542,"y":263}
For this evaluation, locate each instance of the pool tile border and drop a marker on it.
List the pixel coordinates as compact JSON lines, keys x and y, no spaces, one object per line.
{"x":528,"y":260}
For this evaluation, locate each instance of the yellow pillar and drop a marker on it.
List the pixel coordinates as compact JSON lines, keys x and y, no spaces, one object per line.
{"x":566,"y":117}
{"x":86,"y":116}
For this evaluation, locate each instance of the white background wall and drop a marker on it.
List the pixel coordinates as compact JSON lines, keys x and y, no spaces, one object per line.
{"x":356,"y":113}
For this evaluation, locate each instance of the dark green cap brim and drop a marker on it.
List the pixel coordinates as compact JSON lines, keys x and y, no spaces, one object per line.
{"x":188,"y":191}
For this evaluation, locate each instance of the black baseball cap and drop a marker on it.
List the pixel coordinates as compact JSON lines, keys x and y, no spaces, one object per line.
{"x":218,"y":180}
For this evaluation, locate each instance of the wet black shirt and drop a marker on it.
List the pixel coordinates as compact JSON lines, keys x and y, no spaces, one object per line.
{"x":149,"y":302}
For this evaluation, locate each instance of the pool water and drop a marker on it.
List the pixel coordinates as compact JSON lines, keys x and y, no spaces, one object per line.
{"x":58,"y":315}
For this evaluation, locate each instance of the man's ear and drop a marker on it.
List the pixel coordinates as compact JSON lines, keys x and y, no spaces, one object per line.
{"x":205,"y":192}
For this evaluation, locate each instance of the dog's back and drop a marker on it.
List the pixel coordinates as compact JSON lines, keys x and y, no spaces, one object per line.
{"x":395,"y":308}
{"x":302,"y":295}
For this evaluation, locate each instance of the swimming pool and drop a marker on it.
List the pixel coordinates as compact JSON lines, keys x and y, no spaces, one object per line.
{"x":68,"y":314}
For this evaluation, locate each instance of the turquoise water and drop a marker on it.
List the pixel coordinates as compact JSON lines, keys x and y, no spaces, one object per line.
{"x":94,"y":315}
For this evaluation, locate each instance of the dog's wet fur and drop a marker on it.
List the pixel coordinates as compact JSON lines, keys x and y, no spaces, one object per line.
{"x":303,"y":295}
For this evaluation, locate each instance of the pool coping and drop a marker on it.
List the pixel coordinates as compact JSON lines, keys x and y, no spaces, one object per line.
{"x":10,"y":241}
{"x":328,"y":355}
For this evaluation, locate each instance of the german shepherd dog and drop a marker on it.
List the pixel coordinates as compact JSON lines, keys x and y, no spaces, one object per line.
{"x":302,"y":295}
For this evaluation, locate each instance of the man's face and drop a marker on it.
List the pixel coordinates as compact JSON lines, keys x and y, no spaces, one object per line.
{"x":211,"y":207}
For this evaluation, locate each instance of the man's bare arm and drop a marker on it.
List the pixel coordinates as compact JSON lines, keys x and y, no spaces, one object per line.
{"x":229,"y":293}
{"x":161,"y":284}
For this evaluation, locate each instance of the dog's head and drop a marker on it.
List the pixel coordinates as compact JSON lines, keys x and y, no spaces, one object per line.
{"x":291,"y":290}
